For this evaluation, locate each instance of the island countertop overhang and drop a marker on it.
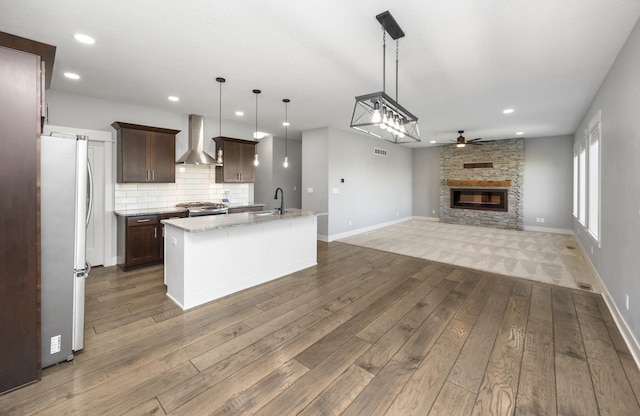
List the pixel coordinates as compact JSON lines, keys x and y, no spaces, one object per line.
{"x":217,"y":222}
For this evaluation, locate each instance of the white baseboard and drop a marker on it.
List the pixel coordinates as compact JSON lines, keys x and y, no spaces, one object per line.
{"x":548,"y":230}
{"x":629,"y":339}
{"x":360,"y":230}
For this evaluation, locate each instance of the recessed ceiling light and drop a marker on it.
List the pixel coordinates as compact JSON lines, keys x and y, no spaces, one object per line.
{"x":507,"y":111}
{"x":239,"y":113}
{"x":519,"y":133}
{"x":71,"y":75}
{"x":86,"y":39}
{"x":259,"y":135}
{"x":286,"y":123}
{"x":432,"y":141}
{"x":173,"y":98}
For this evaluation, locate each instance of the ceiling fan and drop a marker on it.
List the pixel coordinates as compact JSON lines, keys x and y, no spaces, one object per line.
{"x":462,"y":142}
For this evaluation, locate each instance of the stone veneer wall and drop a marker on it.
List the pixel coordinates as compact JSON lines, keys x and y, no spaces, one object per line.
{"x":507,"y":157}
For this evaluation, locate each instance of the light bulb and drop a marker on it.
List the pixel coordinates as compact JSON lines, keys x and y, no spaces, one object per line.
{"x":256,"y":162}
{"x":376,"y":117}
{"x":460,"y":145}
{"x":402,"y":127}
{"x":286,"y":162}
{"x":390,"y":119}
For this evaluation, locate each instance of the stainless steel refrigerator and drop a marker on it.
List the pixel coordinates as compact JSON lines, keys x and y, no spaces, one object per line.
{"x":65,"y":207}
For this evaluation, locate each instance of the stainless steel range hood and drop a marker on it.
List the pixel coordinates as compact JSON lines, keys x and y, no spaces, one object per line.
{"x":195,"y":154}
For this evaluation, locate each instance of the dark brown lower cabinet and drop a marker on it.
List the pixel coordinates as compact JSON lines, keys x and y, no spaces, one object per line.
{"x":141,"y":239}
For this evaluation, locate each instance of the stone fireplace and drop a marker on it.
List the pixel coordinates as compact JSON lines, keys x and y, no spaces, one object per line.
{"x":482,"y":185}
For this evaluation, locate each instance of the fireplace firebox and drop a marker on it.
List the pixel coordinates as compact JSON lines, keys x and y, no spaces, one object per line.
{"x":483,"y":199}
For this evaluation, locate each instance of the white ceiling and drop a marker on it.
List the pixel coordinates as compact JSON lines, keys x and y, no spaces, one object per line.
{"x":461,"y":62}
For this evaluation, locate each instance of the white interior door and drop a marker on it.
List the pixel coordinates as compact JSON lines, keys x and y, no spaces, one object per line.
{"x":95,"y":227}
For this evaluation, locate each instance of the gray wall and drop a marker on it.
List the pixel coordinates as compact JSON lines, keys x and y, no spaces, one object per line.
{"x":426,"y":182}
{"x":618,"y":259}
{"x":548,"y":182}
{"x":271,"y":174}
{"x":315,"y":175}
{"x":376,"y":189}
{"x":263,"y":185}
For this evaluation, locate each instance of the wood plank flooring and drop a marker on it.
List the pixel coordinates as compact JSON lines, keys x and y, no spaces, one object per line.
{"x":364,"y":332}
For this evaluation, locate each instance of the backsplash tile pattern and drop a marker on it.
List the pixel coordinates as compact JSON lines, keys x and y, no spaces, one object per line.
{"x":193,"y":183}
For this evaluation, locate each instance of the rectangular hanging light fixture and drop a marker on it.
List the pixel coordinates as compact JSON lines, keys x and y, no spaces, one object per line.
{"x":377,"y":113}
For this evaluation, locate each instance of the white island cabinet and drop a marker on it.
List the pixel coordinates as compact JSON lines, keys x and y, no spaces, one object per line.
{"x":209,"y":257}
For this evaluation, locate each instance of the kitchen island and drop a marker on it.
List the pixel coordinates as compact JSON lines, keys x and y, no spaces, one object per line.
{"x":209,"y":257}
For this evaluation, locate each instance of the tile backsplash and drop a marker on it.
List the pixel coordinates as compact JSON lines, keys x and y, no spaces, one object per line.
{"x":193,"y":183}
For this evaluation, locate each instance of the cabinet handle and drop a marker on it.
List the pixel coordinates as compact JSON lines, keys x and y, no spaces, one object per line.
{"x":155,"y":233}
{"x":147,"y":220}
{"x":153,"y":175}
{"x":147,"y":175}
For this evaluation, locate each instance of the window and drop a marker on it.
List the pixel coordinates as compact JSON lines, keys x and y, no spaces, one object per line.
{"x":575,"y":183}
{"x":582,"y":184}
{"x":593,"y":223}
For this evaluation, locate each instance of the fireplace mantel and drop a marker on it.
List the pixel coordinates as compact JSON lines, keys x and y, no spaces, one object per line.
{"x":455,"y":182}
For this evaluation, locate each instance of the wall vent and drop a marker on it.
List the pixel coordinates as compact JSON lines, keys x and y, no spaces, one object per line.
{"x":379,"y":152}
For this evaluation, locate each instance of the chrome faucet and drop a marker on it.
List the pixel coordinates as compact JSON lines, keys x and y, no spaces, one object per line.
{"x":281,"y":200}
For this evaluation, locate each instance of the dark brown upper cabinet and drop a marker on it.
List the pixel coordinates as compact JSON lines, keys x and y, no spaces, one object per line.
{"x":145,"y":153}
{"x":238,"y":158}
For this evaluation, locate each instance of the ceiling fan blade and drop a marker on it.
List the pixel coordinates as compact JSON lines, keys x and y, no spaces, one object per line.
{"x":474,"y":140}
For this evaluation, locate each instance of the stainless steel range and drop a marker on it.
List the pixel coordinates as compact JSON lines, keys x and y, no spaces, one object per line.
{"x":198,"y":209}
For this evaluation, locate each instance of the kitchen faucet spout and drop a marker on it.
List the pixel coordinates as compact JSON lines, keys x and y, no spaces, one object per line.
{"x":281,"y":199}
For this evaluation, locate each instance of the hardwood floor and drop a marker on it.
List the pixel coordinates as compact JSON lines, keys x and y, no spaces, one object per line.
{"x":362,"y":333}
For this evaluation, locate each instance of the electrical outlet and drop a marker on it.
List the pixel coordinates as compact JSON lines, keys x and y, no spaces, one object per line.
{"x":541,"y":219}
{"x":397,"y":213}
{"x":538,"y":219}
{"x":626,"y":300}
{"x":349,"y":223}
{"x":56,"y":341}
{"x":433,"y":211}
{"x":310,"y":190}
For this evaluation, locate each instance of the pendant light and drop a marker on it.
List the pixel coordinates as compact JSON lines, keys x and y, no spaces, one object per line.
{"x":286,"y":127}
{"x":256,"y":162}
{"x":377,"y":113}
{"x":219,"y":160}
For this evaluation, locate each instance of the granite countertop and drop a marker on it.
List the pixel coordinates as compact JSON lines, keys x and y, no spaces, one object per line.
{"x":149,"y":211}
{"x":215,"y":222}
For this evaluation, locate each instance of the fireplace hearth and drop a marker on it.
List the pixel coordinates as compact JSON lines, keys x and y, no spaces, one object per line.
{"x":480,"y":199}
